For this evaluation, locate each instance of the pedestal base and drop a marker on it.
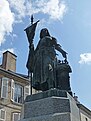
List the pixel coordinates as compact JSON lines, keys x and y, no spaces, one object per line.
{"x":52,"y":105}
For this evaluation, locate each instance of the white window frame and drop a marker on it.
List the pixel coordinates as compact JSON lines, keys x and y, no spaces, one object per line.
{"x":2,"y":119}
{"x":3,"y":87}
{"x":14,"y":116}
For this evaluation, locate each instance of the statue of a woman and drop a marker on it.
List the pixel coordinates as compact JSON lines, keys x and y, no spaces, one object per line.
{"x":44,"y":61}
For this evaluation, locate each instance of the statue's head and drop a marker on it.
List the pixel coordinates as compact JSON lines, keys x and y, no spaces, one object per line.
{"x":44,"y":32}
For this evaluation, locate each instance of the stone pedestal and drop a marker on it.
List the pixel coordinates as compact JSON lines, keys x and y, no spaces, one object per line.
{"x":51,"y":105}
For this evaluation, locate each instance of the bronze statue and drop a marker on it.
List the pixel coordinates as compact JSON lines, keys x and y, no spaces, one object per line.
{"x":62,"y":74}
{"x":43,"y":63}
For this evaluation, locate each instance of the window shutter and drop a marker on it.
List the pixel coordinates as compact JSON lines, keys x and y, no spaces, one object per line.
{"x":4,"y":88}
{"x":26,"y":91}
{"x":12,"y":90}
{"x":0,"y":86}
{"x":2,"y":115}
{"x":16,"y":116}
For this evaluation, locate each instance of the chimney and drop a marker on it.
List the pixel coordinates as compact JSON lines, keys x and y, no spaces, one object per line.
{"x":9,"y":61}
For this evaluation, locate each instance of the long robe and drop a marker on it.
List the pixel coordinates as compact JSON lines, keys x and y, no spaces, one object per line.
{"x":44,"y":61}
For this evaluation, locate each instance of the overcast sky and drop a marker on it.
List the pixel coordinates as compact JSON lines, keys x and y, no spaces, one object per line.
{"x":67,"y":20}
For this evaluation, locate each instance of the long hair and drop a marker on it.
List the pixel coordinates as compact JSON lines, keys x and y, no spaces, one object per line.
{"x":44,"y":32}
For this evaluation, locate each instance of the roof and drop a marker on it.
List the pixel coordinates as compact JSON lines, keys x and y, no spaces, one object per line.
{"x":15,"y":76}
{"x":85,"y":109}
{"x":23,"y":75}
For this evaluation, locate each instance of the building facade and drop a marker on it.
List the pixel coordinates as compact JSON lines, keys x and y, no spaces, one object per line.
{"x":13,"y":89}
{"x":85,"y":113}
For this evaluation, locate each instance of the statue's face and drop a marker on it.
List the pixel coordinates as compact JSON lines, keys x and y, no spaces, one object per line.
{"x":44,"y":32}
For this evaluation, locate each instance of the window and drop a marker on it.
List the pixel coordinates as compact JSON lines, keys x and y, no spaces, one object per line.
{"x":86,"y":119}
{"x":16,"y":116}
{"x":16,"y":92}
{"x":4,"y":88}
{"x":2,"y":115}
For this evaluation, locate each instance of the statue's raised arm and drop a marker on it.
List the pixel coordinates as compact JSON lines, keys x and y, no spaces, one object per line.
{"x":58,"y":47}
